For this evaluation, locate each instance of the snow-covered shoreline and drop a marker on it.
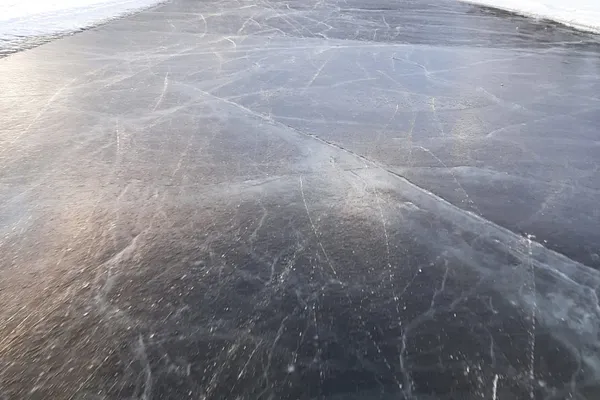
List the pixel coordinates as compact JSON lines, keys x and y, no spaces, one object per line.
{"x":23,"y":20}
{"x":580,"y":14}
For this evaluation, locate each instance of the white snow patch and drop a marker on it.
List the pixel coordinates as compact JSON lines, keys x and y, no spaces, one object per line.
{"x":20,"y":19}
{"x":579,"y":14}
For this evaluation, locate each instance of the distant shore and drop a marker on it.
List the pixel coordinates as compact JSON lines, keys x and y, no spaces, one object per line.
{"x":23,"y":26}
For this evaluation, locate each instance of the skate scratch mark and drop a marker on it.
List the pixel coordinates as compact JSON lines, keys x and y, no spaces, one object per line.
{"x":270,"y":354}
{"x":407,"y":385}
{"x":316,"y":75}
{"x":385,"y":232}
{"x":205,"y":26}
{"x":118,"y":134}
{"x":532,"y":317}
{"x":383,"y":222}
{"x":495,"y":387}
{"x":250,"y":19}
{"x":43,"y":110}
{"x":439,"y":122}
{"x":387,"y":125}
{"x":468,"y":199}
{"x":243,"y":371}
{"x":314,"y":228}
{"x":392,"y":118}
{"x":143,"y":356}
{"x":164,"y":90}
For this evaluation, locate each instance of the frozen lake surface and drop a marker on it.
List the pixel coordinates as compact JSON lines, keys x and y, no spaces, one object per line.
{"x":28,"y":22}
{"x":302,"y":199}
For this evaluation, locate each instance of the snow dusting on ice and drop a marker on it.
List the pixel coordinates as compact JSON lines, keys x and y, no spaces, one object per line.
{"x":580,"y":14}
{"x":22,"y":20}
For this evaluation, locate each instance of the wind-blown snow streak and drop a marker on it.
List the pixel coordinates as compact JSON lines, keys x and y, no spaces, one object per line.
{"x":579,"y":14}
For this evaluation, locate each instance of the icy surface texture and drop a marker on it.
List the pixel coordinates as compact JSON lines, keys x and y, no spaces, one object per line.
{"x":302,"y":200}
